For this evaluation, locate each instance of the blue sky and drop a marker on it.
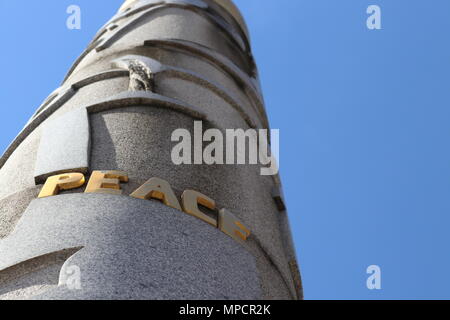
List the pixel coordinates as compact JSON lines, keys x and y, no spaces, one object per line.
{"x":364,"y":120}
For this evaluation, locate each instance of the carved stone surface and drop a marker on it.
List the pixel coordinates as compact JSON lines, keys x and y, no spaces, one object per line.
{"x":140,"y":76}
{"x":64,"y":146}
{"x":155,"y":67}
{"x":131,"y":249}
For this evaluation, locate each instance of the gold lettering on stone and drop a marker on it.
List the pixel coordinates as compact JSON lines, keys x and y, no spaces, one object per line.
{"x":107,"y":182}
{"x":159,"y":189}
{"x":231,"y":226}
{"x":66,"y":181}
{"x":191,"y":199}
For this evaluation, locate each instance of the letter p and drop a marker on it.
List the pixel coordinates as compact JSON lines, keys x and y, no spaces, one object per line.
{"x":65,"y":181}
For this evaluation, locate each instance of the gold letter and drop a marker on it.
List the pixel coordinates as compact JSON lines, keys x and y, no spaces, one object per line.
{"x":156,"y":188}
{"x":231,"y":226}
{"x":107,"y":182}
{"x":65,"y":181}
{"x":191,"y":199}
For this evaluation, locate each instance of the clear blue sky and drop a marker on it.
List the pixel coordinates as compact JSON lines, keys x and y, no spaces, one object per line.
{"x":364,"y":119}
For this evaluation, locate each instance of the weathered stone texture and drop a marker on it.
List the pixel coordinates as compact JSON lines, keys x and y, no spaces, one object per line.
{"x":154,"y":68}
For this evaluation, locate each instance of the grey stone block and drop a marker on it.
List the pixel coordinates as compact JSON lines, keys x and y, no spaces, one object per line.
{"x":34,"y":276}
{"x":12,"y":208}
{"x":64,"y":146}
{"x":158,"y":252}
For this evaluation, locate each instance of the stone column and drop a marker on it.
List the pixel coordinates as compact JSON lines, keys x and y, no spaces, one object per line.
{"x":155,"y":67}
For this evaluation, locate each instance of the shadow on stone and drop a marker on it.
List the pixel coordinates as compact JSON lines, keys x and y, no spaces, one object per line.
{"x":34,"y":276}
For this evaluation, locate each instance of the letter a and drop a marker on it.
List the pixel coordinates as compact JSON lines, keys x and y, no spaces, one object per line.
{"x":374,"y":281}
{"x":159,"y":189}
{"x":374,"y":21}
{"x":74,"y":20}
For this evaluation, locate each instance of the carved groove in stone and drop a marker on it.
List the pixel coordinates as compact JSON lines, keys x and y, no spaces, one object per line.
{"x":72,"y":130}
{"x":146,"y":63}
{"x":142,"y":98}
{"x":102,"y":40}
{"x":216,"y":88}
{"x":136,"y":7}
{"x":57,"y":99}
{"x":12,"y":207}
{"x":105,"y":75}
{"x":34,"y":276}
{"x":32,"y":124}
{"x":47,"y":101}
{"x":223,"y":63}
{"x":149,"y":7}
{"x":54,"y":101}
